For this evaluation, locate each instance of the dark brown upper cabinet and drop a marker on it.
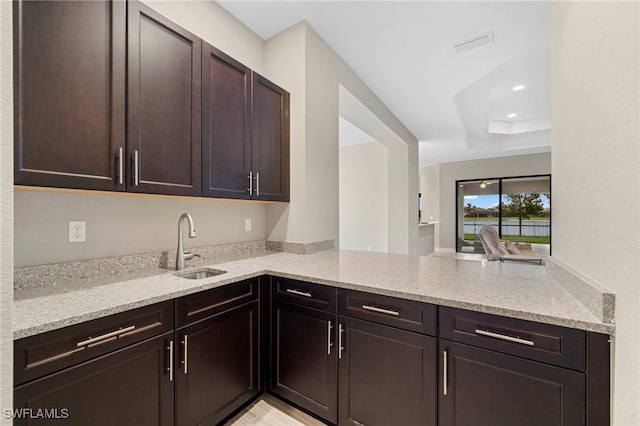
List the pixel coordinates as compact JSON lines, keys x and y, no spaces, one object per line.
{"x":164,"y":105}
{"x":245,"y":149}
{"x":226,"y":125}
{"x":69,"y":94}
{"x":197,"y":121}
{"x":269,"y":140}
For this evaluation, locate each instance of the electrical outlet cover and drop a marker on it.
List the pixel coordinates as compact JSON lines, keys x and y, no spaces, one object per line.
{"x":77,"y":232}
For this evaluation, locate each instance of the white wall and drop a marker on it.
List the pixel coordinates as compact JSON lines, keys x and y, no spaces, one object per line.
{"x":426,"y":239}
{"x":443,"y":193}
{"x":364,"y":186}
{"x":6,"y":208}
{"x":596,"y":167}
{"x":313,"y":73}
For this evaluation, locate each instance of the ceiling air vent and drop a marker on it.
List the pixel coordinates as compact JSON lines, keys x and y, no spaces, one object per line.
{"x":474,"y":43}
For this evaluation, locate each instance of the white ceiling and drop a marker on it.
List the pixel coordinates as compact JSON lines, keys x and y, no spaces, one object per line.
{"x":403,"y":50}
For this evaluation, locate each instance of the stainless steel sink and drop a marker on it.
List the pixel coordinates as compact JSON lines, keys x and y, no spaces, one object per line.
{"x":200,"y":274}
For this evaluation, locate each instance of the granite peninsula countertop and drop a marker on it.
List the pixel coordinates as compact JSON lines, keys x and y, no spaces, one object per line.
{"x":523,"y":291}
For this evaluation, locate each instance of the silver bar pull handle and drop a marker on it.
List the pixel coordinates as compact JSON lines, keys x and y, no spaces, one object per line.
{"x":170,"y":367}
{"x":504,"y":337}
{"x":380,"y":310}
{"x":136,"y":168}
{"x":444,"y":373}
{"x":257,"y":184}
{"x":298,"y":292}
{"x":116,"y":333}
{"x":329,"y":344}
{"x":340,"y":347}
{"x":250,"y":177}
{"x":185,"y":354}
{"x":120,"y":166}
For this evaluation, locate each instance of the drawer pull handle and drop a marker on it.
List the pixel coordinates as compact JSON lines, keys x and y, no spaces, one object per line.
{"x":329,"y":344}
{"x":380,"y":310}
{"x":298,"y":292}
{"x":92,"y":340}
{"x":503,"y":337}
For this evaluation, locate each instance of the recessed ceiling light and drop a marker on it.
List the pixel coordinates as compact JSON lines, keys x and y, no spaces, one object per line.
{"x":512,"y":115}
{"x":518,"y":87}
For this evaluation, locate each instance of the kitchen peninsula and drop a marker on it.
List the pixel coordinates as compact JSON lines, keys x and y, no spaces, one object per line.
{"x":440,"y":311}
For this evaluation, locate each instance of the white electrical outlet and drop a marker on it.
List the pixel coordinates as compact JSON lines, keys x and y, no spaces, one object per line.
{"x":247,"y":225}
{"x":77,"y":232}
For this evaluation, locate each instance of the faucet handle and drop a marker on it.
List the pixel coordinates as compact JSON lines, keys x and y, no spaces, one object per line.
{"x":189,"y":255}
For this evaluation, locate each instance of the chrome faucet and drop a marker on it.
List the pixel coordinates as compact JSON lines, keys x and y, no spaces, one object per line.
{"x":181,"y":256}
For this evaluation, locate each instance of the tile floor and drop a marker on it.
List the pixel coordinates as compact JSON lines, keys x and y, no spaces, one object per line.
{"x":270,"y":411}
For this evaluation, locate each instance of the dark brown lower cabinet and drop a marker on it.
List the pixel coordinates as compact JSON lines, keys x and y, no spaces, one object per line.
{"x":217,"y":366}
{"x":304,"y":359}
{"x":478,"y":387}
{"x":212,"y":357}
{"x":130,"y":386}
{"x":387,"y":375}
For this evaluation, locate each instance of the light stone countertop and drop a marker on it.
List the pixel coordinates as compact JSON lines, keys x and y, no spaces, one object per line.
{"x":524,"y":291}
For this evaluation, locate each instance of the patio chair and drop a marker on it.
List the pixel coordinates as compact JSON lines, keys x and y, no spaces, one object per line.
{"x":469,"y":246}
{"x":497,"y":249}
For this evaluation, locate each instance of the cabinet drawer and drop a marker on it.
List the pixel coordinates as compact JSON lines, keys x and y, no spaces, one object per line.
{"x":303,"y":293}
{"x":48,"y":352}
{"x":547,"y":343}
{"x":406,"y":314}
{"x":128,"y":387}
{"x":201,"y":305}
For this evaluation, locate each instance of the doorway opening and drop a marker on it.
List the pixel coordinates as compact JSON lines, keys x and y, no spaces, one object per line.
{"x":373,"y":174}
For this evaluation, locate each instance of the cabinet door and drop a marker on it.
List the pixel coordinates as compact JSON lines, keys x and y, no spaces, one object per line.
{"x":131,"y":386}
{"x":217,"y":369}
{"x":387,"y":375}
{"x":69,"y":93}
{"x":226,"y":125}
{"x":164,"y":117}
{"x":479,"y":387}
{"x":270,"y":140}
{"x":304,"y":361}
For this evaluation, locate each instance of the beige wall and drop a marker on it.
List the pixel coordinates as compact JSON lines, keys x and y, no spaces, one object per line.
{"x":298,"y":60}
{"x":213,"y":24}
{"x":443,"y":193}
{"x":313,"y":72}
{"x":123,"y":224}
{"x":118,"y":225}
{"x":364,"y":186}
{"x":6,"y":208}
{"x":596,"y":167}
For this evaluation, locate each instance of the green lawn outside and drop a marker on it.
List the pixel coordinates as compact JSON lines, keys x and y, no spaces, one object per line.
{"x":494,"y":218}
{"x":528,"y":239}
